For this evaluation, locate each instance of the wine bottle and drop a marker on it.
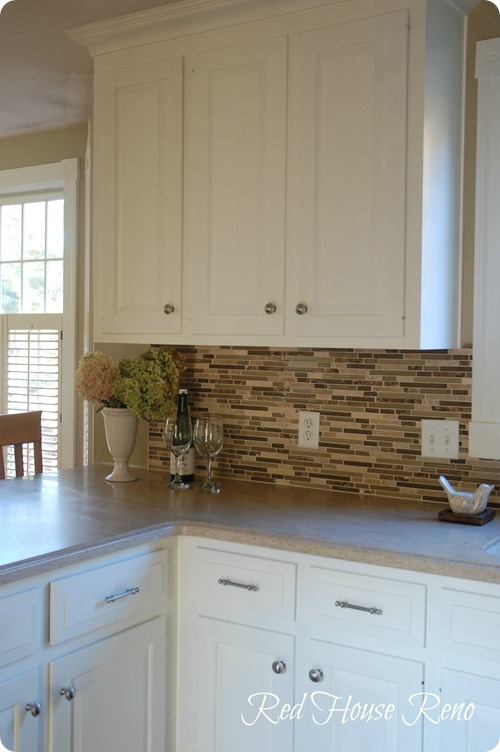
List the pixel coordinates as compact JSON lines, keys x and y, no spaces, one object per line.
{"x":186,"y":460}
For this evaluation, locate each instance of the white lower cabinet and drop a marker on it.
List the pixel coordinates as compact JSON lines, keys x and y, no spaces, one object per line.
{"x":250,"y":649}
{"x":242,"y":671}
{"x":84,"y":668}
{"x":284,"y":652}
{"x":111,"y":695}
{"x":21,"y":688}
{"x":247,"y":690}
{"x":469,"y":681}
{"x":21,"y":728}
{"x":354,"y":699}
{"x":475,"y":703}
{"x":270,"y":661}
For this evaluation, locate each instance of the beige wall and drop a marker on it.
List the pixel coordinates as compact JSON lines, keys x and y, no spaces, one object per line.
{"x":45,"y":147}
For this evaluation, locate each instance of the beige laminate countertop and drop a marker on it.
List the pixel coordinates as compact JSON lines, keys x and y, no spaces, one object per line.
{"x":61,"y":518}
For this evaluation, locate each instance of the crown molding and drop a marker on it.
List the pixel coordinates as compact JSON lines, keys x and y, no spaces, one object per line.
{"x":185,"y":17}
{"x":180,"y":19}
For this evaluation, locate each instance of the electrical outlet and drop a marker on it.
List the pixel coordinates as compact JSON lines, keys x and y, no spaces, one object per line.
{"x":308,"y":430}
{"x":440,"y":438}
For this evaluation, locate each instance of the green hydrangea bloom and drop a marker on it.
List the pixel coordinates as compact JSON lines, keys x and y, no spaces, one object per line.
{"x":149,"y":384}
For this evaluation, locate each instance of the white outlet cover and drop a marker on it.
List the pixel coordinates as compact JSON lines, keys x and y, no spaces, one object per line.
{"x":308,"y":437}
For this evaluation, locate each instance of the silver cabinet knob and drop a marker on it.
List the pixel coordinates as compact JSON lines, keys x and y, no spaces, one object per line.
{"x":316,"y":675}
{"x":168,"y":308}
{"x":270,"y":308}
{"x":279,"y":667}
{"x":301,"y":308}
{"x":35,"y":708}
{"x":68,"y":692}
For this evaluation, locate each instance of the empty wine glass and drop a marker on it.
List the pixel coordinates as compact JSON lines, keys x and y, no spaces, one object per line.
{"x":208,"y":441}
{"x":177,"y":437}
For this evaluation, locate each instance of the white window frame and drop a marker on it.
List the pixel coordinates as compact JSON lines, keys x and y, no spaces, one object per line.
{"x":64,"y":176}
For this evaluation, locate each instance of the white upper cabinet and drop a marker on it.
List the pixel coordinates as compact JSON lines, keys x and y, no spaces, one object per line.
{"x":484,"y":431}
{"x":137,"y":198}
{"x":235,"y":188}
{"x":277,"y":173}
{"x":347,"y":164}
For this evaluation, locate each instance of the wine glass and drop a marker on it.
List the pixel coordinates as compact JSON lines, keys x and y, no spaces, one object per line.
{"x":208,"y":441}
{"x":177,"y":437}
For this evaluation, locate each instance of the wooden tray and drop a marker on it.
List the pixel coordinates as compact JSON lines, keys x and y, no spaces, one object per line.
{"x":446,"y":515}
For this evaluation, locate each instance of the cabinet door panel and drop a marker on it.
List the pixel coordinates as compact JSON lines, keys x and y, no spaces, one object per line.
{"x":347,"y":178}
{"x":234,"y":662}
{"x":138,"y":201}
{"x":20,"y":731}
{"x":360,"y":679}
{"x":235,"y":187}
{"x":21,"y":620}
{"x":474,"y":729}
{"x":119,"y":704}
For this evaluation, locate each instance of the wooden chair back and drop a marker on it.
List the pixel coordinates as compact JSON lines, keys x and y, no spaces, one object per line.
{"x":17,"y":429}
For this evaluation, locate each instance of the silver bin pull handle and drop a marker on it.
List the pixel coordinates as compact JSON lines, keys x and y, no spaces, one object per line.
{"x":230,"y":583}
{"x":368,"y":609}
{"x":124,"y":594}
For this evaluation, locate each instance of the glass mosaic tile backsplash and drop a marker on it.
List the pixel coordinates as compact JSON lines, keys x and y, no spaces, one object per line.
{"x":371,"y":404}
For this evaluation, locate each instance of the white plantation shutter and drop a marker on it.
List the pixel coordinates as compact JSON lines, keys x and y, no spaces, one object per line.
{"x":33,"y":376}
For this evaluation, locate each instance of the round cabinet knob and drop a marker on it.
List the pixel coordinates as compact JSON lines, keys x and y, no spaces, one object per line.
{"x":68,"y":692}
{"x":270,"y":308}
{"x":316,"y":675}
{"x":168,"y":308}
{"x":301,"y":308}
{"x":279,"y":667}
{"x":35,"y":708}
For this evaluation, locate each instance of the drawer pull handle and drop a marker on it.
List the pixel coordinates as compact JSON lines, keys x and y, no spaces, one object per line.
{"x":130,"y":591}
{"x":316,"y":675}
{"x":372,"y":610}
{"x":35,"y":708}
{"x":68,"y":692}
{"x":252,"y":588}
{"x":279,"y":667}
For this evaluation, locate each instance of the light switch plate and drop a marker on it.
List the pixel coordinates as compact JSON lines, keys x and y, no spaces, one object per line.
{"x":440,"y":438}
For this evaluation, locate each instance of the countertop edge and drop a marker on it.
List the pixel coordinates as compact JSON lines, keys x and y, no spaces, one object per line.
{"x":380,"y":557}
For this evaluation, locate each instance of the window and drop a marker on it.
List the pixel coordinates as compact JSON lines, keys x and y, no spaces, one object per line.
{"x":31,"y":255}
{"x":37,"y":300}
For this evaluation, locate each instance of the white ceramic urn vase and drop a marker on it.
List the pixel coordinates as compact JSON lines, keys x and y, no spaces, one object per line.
{"x":121,"y":432}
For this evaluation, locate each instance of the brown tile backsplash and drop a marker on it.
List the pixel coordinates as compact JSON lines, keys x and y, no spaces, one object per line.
{"x":371,"y":404}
